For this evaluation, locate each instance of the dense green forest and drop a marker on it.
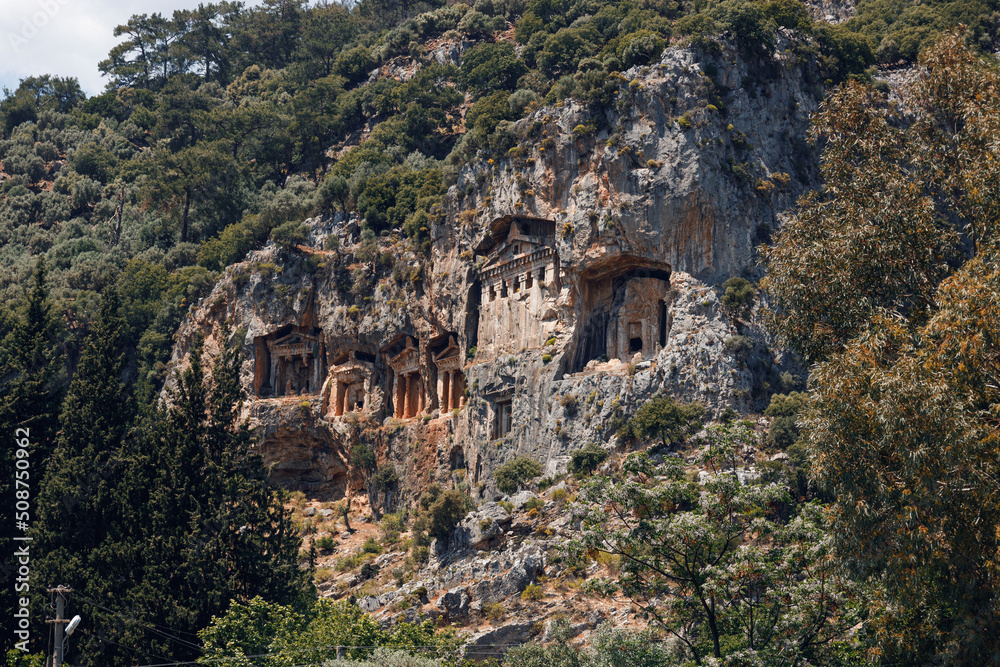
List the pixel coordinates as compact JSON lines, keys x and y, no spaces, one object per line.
{"x":223,"y":127}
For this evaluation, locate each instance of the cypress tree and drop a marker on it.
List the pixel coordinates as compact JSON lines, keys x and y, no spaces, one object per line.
{"x":31,"y":385}
{"x":196,"y":525}
{"x":76,"y":531}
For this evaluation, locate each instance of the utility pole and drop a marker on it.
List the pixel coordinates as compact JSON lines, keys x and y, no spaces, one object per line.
{"x":60,"y":621}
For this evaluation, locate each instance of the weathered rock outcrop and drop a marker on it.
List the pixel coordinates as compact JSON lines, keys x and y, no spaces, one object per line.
{"x":566,"y":285}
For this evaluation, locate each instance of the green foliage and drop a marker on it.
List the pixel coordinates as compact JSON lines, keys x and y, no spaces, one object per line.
{"x":663,"y":418}
{"x":532,"y":592}
{"x":491,"y":67}
{"x":17,"y":658}
{"x":881,"y":236}
{"x":286,"y":636}
{"x":585,"y":461}
{"x":363,"y":458}
{"x":916,"y":399}
{"x":443,"y":509}
{"x":713,"y":563}
{"x":161,"y":501}
{"x":513,"y":474}
{"x":484,"y":116}
{"x":289,"y":234}
{"x":900,"y":31}
{"x":738,"y":296}
{"x":233,"y":243}
{"x":354,"y":64}
{"x":784,"y":411}
{"x":609,"y":648}
{"x":900,"y":410}
{"x":562,"y":51}
{"x":383,"y":657}
{"x":398,"y":197}
{"x":641,"y":47}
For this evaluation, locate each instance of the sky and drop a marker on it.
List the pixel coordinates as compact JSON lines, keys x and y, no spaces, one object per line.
{"x":67,"y":37}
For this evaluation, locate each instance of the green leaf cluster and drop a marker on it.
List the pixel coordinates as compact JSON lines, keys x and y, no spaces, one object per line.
{"x":514,"y":474}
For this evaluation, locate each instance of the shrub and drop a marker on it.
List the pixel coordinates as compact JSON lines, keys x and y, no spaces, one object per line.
{"x":532,"y":592}
{"x":391,"y":522}
{"x":347,"y":563}
{"x":492,"y":66}
{"x":290,"y":233}
{"x":739,"y":296}
{"x":585,"y":461}
{"x":534,"y":504}
{"x":738,"y":344}
{"x":640,"y":48}
{"x":560,"y":495}
{"x":444,"y":509}
{"x":569,"y":404}
{"x":368,"y":571}
{"x":371,"y":546}
{"x":728,"y":415}
{"x":510,"y":476}
{"x":325,"y":542}
{"x":661,"y":417}
{"x":494,"y":611}
{"x":564,"y":50}
{"x":784,"y":411}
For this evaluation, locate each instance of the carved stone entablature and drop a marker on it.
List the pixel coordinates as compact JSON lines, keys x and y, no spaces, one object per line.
{"x":532,"y":265}
{"x":289,"y":362}
{"x":451,"y":379}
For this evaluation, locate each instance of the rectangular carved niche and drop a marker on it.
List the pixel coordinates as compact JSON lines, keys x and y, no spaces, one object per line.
{"x":289,"y":362}
{"x":501,"y":412}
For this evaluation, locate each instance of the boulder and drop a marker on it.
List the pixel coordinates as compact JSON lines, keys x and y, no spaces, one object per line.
{"x":455,"y":603}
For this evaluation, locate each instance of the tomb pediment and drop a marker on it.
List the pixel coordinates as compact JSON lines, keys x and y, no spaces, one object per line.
{"x":408,"y":360}
{"x":450,"y":357}
{"x":294,"y":345}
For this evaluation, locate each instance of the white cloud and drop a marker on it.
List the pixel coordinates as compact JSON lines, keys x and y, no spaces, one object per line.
{"x":67,"y":37}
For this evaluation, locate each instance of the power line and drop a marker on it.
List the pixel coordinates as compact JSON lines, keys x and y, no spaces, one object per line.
{"x":132,"y":621}
{"x":131,"y":649}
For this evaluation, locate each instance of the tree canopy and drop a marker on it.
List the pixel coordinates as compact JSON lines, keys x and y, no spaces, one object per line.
{"x":888,"y":278}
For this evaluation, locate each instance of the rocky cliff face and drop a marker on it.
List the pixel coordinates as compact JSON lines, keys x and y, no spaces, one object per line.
{"x":568,"y":283}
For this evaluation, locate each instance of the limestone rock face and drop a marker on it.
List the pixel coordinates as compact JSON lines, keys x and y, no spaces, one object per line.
{"x":565,"y":285}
